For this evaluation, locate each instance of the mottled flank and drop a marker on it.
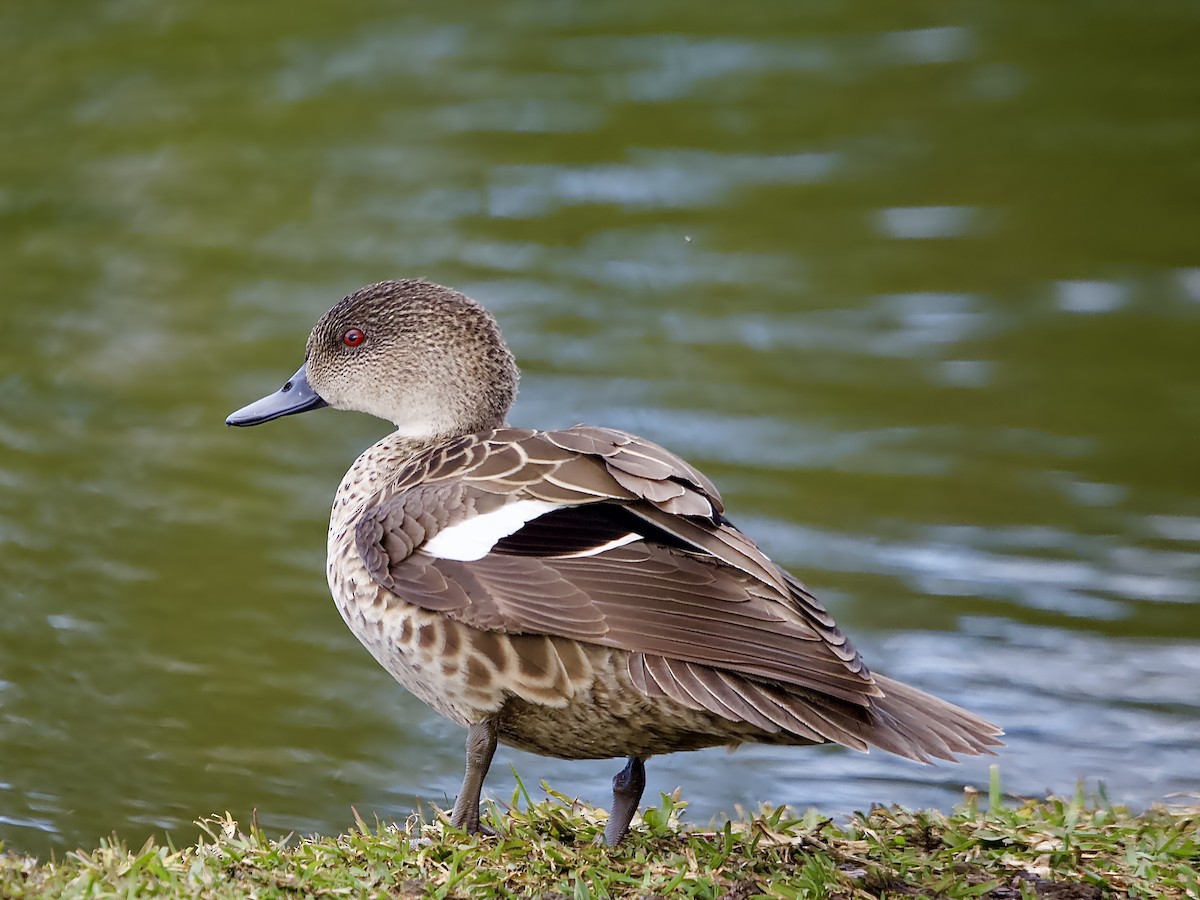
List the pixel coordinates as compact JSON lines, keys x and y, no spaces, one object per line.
{"x":617,"y":612}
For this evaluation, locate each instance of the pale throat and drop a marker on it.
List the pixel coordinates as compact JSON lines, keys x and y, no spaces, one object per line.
{"x":433,"y":428}
{"x":428,"y":424}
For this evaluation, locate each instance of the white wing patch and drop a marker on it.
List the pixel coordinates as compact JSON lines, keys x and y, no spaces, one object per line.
{"x":474,"y":538}
{"x":596,"y":551}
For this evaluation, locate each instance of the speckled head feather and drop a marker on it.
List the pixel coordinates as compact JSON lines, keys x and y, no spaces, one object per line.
{"x":431,"y":360}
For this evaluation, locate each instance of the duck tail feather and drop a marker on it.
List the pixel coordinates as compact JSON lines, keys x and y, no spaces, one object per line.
{"x":926,"y":726}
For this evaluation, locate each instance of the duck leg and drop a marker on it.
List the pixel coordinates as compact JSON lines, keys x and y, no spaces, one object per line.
{"x":481,"y":746}
{"x":628,"y":785}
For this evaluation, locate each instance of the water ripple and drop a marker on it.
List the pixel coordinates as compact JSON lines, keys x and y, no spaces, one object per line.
{"x":651,"y":179}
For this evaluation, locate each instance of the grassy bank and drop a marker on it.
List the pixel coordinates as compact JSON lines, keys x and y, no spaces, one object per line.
{"x":1049,"y":848}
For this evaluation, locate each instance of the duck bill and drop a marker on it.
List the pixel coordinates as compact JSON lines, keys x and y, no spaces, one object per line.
{"x":296,"y":396}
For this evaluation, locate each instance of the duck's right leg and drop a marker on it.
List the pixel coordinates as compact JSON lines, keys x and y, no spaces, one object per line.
{"x":481,"y":747}
{"x":628,"y":785}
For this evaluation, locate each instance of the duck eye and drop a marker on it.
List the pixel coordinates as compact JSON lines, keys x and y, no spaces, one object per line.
{"x":353,"y":337}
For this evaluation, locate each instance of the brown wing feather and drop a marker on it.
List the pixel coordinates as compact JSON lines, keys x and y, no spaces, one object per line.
{"x":722,"y":602}
{"x":904,"y":720}
{"x":652,"y":600}
{"x":706,"y":618}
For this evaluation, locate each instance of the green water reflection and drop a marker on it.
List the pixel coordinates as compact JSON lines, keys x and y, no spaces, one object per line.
{"x":919,"y":287}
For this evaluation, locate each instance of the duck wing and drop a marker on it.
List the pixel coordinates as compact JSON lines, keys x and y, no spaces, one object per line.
{"x":598,"y":536}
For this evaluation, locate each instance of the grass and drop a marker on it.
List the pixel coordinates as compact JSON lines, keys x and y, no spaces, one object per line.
{"x":1057,"y":848}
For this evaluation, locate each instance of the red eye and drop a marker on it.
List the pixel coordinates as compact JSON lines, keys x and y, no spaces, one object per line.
{"x":353,"y":337}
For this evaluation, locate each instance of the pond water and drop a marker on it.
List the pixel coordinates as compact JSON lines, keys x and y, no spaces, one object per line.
{"x":918,"y":286}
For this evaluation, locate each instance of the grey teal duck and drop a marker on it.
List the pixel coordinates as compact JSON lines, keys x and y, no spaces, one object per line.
{"x":575,"y":593}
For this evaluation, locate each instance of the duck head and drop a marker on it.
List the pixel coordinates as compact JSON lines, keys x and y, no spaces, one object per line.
{"x":423,"y":356}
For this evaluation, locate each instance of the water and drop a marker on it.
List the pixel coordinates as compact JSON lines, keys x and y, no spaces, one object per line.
{"x":919,"y":288}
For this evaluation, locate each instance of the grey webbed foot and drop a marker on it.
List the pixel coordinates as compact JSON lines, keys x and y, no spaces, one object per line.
{"x":481,"y":747}
{"x":628,"y":785}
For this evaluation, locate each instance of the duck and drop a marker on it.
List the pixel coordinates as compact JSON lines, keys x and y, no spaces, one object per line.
{"x":577,"y":593}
